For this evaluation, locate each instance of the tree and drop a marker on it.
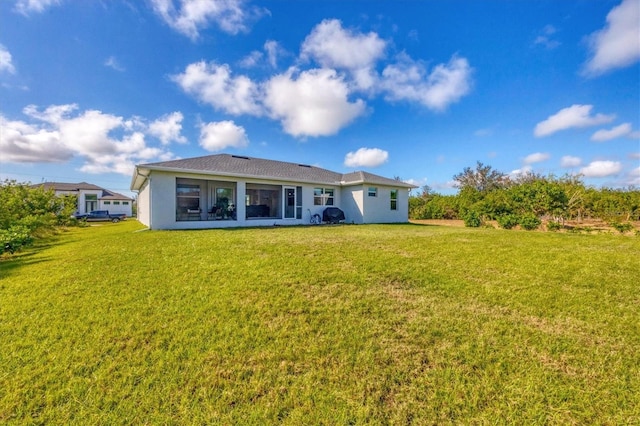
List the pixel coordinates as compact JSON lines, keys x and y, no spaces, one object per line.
{"x":483,"y":179}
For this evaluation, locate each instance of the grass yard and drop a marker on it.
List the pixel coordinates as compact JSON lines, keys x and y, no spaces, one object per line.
{"x":376,"y":324}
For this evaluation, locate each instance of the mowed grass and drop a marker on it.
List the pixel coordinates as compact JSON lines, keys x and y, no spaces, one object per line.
{"x":375,"y":324}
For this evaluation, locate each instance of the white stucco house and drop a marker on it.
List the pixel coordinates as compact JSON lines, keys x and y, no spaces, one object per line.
{"x":223,"y":190}
{"x":92,"y":197}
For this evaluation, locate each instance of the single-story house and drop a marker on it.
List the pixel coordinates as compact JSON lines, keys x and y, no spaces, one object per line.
{"x":92,"y":197}
{"x":223,"y":190}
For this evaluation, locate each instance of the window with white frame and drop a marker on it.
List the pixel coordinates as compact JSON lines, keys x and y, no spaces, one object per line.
{"x":323,"y":196}
{"x":373,"y":191}
{"x":394,"y":199}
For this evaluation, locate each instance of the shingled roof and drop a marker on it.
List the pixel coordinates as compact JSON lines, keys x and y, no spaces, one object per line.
{"x":242,"y":166}
{"x":77,"y":187}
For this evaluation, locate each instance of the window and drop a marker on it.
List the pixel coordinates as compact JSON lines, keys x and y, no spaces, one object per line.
{"x":263,"y":201}
{"x":394,"y":199}
{"x":125,"y":203}
{"x":187,"y":199}
{"x":323,"y":196}
{"x":373,"y":191}
{"x":90,"y":202}
{"x":116,"y":203}
{"x":106,"y":203}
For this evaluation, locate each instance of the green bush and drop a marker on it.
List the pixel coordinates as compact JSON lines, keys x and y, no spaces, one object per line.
{"x":14,"y":238}
{"x":529,"y":221}
{"x":472,"y":219}
{"x":554,"y":226}
{"x":507,"y":221}
{"x":622,"y":227}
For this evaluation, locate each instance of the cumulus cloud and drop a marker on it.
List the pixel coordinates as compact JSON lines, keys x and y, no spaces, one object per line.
{"x":221,"y":135}
{"x":607,"y":135}
{"x":444,"y":85}
{"x":213,"y":84}
{"x":27,"y":6}
{"x":569,"y":162}
{"x":61,"y":133}
{"x":617,"y":45}
{"x":6,"y":61}
{"x":312,"y":103}
{"x":575,"y":116}
{"x":188,"y":17}
{"x":168,"y":128}
{"x":332,"y":46}
{"x":366,"y":157}
{"x":21,"y":142}
{"x":536,"y":157}
{"x":601,"y":169}
{"x":321,"y":101}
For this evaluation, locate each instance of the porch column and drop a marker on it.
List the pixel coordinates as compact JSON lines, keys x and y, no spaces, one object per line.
{"x":241,"y":208}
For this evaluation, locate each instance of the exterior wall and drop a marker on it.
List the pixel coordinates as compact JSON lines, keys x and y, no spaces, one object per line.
{"x":157,"y":203}
{"x":352,"y":204}
{"x":378,"y":209}
{"x":116,"y":208}
{"x":144,"y":204}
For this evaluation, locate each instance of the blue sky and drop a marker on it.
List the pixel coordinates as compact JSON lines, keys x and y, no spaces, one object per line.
{"x":414,"y":89}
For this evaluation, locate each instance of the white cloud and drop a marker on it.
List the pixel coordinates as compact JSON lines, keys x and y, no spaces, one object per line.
{"x":214,"y":85}
{"x":274,"y":51}
{"x":168,"y":128}
{"x":569,"y":162}
{"x":314,"y":104}
{"x":27,"y":6}
{"x":221,"y":135}
{"x":190,"y":16}
{"x":545,"y":38}
{"x":334,"y":47}
{"x":634,"y":177}
{"x":601,"y":168}
{"x":536,"y":157}
{"x":366,"y":157}
{"x":113,"y":63}
{"x":252,"y":59}
{"x":607,"y":135}
{"x":444,"y":85}
{"x":617,"y":45}
{"x":23,"y":143}
{"x":573,"y":116}
{"x":60,"y":134}
{"x":6,"y":61}
{"x":521,"y":172}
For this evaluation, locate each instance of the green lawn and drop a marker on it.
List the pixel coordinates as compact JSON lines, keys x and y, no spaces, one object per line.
{"x":373,"y":324}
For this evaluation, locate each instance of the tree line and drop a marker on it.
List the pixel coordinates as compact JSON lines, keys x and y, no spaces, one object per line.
{"x":30,"y":211}
{"x":526,"y":201}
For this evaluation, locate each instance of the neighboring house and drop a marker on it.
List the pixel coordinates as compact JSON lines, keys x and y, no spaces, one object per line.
{"x":92,"y":197}
{"x":220,"y":191}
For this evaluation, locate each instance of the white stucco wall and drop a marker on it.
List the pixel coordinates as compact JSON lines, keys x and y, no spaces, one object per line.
{"x":378,"y":209}
{"x":352,"y":204}
{"x":144,"y":203}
